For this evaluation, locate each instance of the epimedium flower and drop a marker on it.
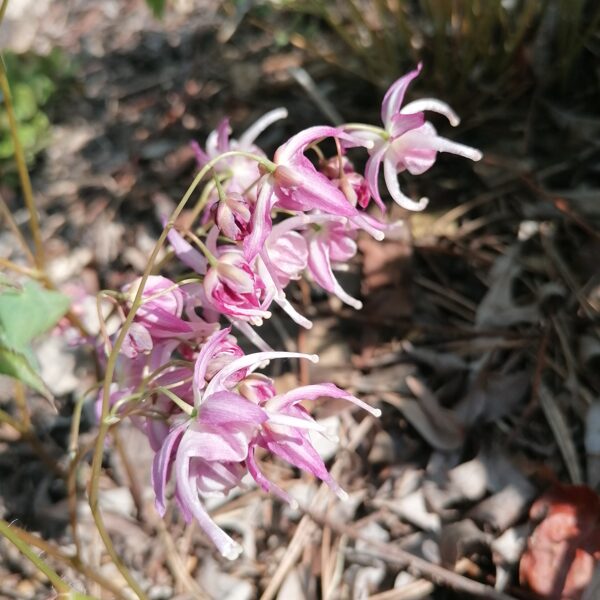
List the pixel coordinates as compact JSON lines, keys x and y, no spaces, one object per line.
{"x":232,"y":216}
{"x":285,"y":431}
{"x":206,"y":453}
{"x":243,"y":170}
{"x":161,"y":307}
{"x":331,"y":243}
{"x":295,"y":184}
{"x":233,"y":288}
{"x":407,"y":142}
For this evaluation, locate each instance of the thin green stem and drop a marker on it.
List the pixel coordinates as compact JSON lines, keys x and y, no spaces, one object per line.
{"x":51,"y":550}
{"x":3,"y":10}
{"x":22,"y":169}
{"x":31,"y":273}
{"x":12,"y":536}
{"x":112,"y":362}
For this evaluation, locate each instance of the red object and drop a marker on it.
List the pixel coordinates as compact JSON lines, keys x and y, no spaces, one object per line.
{"x":561,"y":553}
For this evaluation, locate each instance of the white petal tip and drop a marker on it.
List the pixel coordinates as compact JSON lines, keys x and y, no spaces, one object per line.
{"x":378,"y":235}
{"x":476,"y":155}
{"x":307,"y":325}
{"x":313,"y":358}
{"x":357,"y":305}
{"x":376,"y":412}
{"x":454,"y":121}
{"x":342,"y":495}
{"x":232,"y":551}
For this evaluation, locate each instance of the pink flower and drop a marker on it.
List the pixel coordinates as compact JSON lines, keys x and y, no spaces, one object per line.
{"x":245,"y":169}
{"x":234,"y":289}
{"x":232,"y":216}
{"x":408,"y":142}
{"x":161,"y":307}
{"x":331,"y":243}
{"x":295,"y":185}
{"x":207,"y":454}
{"x":342,"y":174}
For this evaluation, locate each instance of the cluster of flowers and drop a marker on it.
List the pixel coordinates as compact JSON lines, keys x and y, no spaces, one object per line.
{"x":199,"y":399}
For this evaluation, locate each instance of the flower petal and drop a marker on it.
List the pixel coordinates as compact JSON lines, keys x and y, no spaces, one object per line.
{"x":263,"y":482}
{"x":260,"y":225}
{"x":401,"y":123}
{"x":391,"y":181}
{"x":433,"y":105}
{"x":312,"y":392}
{"x":188,"y":495}
{"x":249,"y":361}
{"x":186,"y":253}
{"x":205,"y":355}
{"x":392,"y":101}
{"x":372,"y":174}
{"x":161,"y":466}
{"x":319,"y":266}
{"x":226,"y":409}
{"x":246,"y":140}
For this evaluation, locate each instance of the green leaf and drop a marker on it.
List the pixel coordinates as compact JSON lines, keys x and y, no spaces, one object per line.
{"x":16,"y":364}
{"x":26,"y":313}
{"x":157,"y":7}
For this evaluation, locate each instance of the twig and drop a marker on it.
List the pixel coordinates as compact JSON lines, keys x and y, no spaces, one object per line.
{"x":48,"y":548}
{"x":420,"y":567}
{"x":12,"y":535}
{"x":177,"y":566}
{"x":307,"y":526}
{"x":15,"y":229}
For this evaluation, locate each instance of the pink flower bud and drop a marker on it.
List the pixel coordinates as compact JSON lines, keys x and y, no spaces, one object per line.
{"x":232,"y":216}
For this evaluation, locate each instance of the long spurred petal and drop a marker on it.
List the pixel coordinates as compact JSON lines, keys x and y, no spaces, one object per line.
{"x":188,"y":494}
{"x":372,"y":174}
{"x":249,"y":136}
{"x":392,"y":101}
{"x":161,"y":466}
{"x":391,"y":181}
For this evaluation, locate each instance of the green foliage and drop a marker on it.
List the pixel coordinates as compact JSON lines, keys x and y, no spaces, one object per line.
{"x":486,"y":43}
{"x":157,"y":7}
{"x":35,"y":81}
{"x":25,"y":314}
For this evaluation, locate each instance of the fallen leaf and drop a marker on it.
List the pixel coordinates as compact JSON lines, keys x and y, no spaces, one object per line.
{"x":561,"y":554}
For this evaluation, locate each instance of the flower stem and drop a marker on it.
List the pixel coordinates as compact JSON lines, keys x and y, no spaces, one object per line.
{"x":22,"y":167}
{"x":13,"y":536}
{"x":111,"y":364}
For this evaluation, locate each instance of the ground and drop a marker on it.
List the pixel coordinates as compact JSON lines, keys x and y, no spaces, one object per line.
{"x":478,"y":338}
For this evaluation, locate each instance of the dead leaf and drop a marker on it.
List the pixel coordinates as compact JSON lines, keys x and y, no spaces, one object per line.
{"x":461,"y":539}
{"x":498,"y":308}
{"x":560,"y":559}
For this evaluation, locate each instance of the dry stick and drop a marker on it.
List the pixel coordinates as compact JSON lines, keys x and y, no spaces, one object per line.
{"x":3,"y":10}
{"x":111,"y":365}
{"x":12,"y":535}
{"x":134,"y":484}
{"x":9,"y":264}
{"x":413,"y":564}
{"x":48,"y":548}
{"x":177,"y":566}
{"x":15,"y":229}
{"x":22,"y":169}
{"x":307,"y":526}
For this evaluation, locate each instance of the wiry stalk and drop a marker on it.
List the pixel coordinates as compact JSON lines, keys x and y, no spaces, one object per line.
{"x":112,"y":361}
